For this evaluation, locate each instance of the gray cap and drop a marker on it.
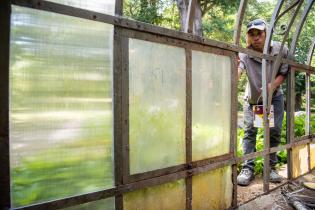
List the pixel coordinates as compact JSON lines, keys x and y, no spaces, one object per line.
{"x":257,"y":24}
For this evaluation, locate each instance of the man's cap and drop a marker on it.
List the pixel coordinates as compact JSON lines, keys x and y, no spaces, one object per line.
{"x":257,"y":24}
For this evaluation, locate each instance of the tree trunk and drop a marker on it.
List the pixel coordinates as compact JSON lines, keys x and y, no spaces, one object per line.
{"x":198,"y":20}
{"x":183,"y":9}
{"x":183,"y":13}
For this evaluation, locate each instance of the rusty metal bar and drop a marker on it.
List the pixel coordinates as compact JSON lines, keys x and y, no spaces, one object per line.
{"x":300,"y":26}
{"x":233,"y":129}
{"x":290,"y":117}
{"x":311,"y":53}
{"x":188,"y":53}
{"x":5,"y":12}
{"x":117,"y":96}
{"x":265,"y":96}
{"x":239,"y":21}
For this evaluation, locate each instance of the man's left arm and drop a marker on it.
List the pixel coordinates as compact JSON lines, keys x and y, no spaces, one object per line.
{"x":277,"y":82}
{"x":282,"y":73}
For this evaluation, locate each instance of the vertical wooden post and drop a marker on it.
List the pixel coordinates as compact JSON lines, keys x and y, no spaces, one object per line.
{"x":188,"y":126}
{"x":5,"y":12}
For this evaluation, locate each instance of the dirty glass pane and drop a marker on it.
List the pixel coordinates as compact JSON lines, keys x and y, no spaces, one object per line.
{"x":101,"y":6}
{"x":156,"y":105}
{"x":299,"y":160}
{"x":105,"y":204}
{"x":213,"y":189}
{"x":60,"y":106}
{"x":312,"y":155}
{"x":169,"y":196}
{"x":211,"y":105}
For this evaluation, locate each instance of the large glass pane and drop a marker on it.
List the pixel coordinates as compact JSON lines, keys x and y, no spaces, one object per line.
{"x":213,"y":189}
{"x":60,"y":106}
{"x":156,"y":105}
{"x":107,"y":6}
{"x":299,"y":160}
{"x":169,"y":196}
{"x":104,"y":204}
{"x":211,"y":105}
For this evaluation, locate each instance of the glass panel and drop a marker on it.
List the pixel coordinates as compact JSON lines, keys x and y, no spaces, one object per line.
{"x":211,"y":105}
{"x":212,"y":190}
{"x":299,"y":160}
{"x":101,"y":6}
{"x":105,"y":204}
{"x":168,"y":196}
{"x":156,"y":105}
{"x":312,"y":155}
{"x":60,"y":106}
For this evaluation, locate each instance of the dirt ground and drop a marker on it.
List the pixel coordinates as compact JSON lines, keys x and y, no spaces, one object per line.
{"x":256,"y":187}
{"x":273,"y":201}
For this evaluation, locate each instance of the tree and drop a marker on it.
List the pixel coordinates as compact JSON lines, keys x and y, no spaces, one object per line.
{"x":201,"y":9}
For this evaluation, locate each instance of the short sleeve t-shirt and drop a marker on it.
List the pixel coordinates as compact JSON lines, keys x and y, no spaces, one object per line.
{"x":253,"y":68}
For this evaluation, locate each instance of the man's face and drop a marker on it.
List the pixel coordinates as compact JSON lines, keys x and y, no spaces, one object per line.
{"x":257,"y":39}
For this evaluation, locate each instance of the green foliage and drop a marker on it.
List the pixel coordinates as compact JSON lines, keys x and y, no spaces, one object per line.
{"x":158,"y":12}
{"x":218,"y":22}
{"x":299,"y":130}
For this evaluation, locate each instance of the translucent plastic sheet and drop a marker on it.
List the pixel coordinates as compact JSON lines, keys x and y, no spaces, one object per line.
{"x":107,"y":6}
{"x":60,"y":106}
{"x":312,"y":155}
{"x":169,"y":196}
{"x":211,"y":105}
{"x":213,"y":189}
{"x":105,"y":204}
{"x":299,"y":160}
{"x":157,"y":85}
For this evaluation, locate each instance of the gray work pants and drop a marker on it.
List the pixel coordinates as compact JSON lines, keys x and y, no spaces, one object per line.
{"x":250,"y":132}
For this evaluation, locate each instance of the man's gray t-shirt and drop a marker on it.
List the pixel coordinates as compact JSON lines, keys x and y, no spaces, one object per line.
{"x":253,"y":68}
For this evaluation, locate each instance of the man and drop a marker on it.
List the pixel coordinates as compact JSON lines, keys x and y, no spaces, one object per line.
{"x":255,"y":40}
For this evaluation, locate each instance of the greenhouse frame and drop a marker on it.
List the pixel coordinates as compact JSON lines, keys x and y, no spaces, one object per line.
{"x":145,"y":92}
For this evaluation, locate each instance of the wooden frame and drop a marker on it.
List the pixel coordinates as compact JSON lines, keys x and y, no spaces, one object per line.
{"x":123,"y":30}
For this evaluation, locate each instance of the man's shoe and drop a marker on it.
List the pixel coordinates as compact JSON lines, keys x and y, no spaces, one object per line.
{"x":245,"y":177}
{"x":275,"y":177}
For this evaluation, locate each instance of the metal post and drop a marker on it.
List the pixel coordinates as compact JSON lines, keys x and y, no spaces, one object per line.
{"x":264,"y":92}
{"x":308,"y":130}
{"x":5,"y":12}
{"x":290,"y":117}
{"x":239,"y":20}
{"x":188,"y":127}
